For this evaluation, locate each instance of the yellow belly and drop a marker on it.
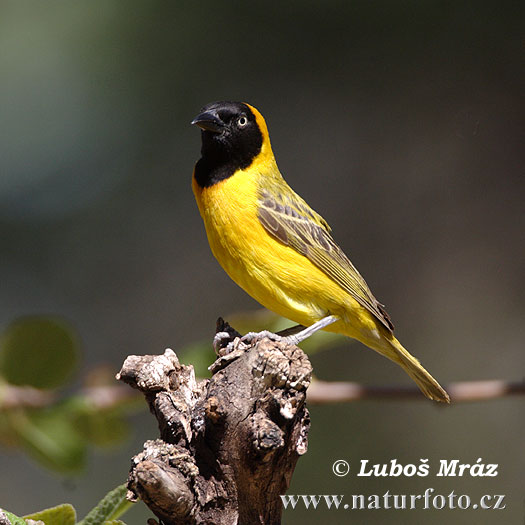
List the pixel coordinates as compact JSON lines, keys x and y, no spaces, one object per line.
{"x":275,"y":275}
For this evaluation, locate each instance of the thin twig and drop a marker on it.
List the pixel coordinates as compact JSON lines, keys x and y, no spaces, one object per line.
{"x":101,"y":397}
{"x":12,"y":397}
{"x":319,"y":393}
{"x":324,"y":392}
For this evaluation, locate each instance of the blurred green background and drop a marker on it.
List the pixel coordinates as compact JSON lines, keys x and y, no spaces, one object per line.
{"x":402,"y":123}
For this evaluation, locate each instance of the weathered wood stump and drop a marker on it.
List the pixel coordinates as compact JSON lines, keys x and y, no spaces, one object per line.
{"x":228,"y":445}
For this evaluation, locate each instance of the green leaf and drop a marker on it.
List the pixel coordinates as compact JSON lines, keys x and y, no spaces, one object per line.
{"x":50,"y":436}
{"x":14,"y":520}
{"x":110,"y":508}
{"x":101,"y":427}
{"x":38,"y":351}
{"x":60,"y":515}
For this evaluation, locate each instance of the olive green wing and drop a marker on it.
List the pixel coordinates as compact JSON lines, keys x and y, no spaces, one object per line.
{"x":290,"y":220}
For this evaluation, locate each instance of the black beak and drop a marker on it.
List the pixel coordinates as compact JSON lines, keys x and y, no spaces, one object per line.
{"x":209,"y":121}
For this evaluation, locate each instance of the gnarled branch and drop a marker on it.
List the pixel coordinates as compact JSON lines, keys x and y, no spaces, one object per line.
{"x":228,"y":445}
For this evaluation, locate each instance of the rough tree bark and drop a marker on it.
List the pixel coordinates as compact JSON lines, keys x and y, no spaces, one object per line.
{"x":228,"y":445}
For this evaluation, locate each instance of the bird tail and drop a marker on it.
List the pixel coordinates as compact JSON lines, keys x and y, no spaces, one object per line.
{"x":395,"y":351}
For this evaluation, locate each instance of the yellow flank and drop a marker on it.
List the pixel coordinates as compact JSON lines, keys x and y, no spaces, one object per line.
{"x":277,"y":275}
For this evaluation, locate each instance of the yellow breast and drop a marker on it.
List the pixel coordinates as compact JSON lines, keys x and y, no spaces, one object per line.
{"x":275,"y":275}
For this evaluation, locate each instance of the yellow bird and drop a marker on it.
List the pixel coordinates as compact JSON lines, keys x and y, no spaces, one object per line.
{"x":279,"y":250}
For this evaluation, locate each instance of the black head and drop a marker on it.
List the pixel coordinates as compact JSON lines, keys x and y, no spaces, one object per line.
{"x":231,"y":139}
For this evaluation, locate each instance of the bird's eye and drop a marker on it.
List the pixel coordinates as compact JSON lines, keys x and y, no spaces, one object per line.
{"x":242,"y":121}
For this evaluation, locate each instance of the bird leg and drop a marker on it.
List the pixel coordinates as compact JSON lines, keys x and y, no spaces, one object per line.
{"x":310,"y":330}
{"x":293,"y":335}
{"x":292,"y":330}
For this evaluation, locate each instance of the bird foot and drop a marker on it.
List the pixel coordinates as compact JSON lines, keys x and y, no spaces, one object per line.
{"x":254,"y":337}
{"x":225,"y":344}
{"x":221,"y":340}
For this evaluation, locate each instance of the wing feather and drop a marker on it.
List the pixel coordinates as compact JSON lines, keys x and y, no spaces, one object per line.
{"x":291,"y":221}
